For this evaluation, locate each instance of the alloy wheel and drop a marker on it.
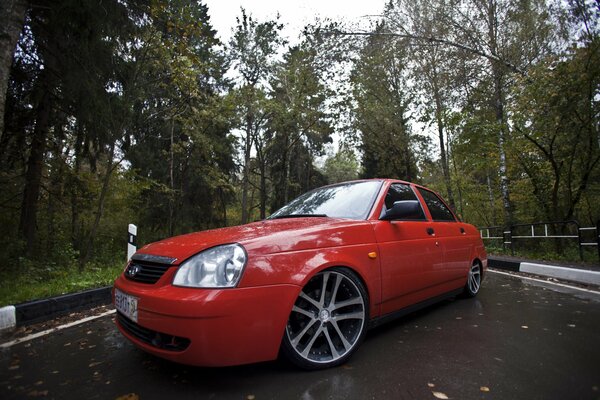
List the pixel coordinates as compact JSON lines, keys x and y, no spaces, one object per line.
{"x":327,"y":320}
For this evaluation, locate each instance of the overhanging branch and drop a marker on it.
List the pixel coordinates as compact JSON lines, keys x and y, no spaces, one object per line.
{"x":433,"y":39}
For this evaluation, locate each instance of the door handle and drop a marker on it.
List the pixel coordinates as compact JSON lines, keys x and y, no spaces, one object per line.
{"x":430,"y":231}
{"x":462,"y":230}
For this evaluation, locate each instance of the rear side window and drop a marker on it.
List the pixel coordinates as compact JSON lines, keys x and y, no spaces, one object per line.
{"x":400,"y":192}
{"x":437,"y":208}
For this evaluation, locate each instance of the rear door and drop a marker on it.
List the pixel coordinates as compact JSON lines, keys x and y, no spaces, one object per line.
{"x":454,"y":241}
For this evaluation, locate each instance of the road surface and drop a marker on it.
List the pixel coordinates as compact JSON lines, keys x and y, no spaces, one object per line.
{"x":519,"y":339}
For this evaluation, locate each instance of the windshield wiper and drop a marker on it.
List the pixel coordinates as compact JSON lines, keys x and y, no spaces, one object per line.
{"x":298,"y":216}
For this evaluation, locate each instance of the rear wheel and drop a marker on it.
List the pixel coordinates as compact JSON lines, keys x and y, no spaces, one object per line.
{"x":328,"y":320}
{"x":473,"y":281}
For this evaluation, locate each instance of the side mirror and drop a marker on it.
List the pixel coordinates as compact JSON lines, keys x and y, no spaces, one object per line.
{"x":406,"y":209}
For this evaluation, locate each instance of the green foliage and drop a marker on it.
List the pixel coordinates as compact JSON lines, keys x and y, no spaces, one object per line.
{"x":556,"y":132}
{"x":381,"y":112}
{"x":342,"y":166}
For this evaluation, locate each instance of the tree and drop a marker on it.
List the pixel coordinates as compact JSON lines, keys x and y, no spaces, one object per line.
{"x":341,"y":166}
{"x":298,"y":119}
{"x":556,"y":114}
{"x":380,"y":115}
{"x":432,"y":68}
{"x":253,"y":48}
{"x":12,"y":13}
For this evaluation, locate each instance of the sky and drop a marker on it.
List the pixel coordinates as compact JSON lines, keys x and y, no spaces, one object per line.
{"x":295,"y":14}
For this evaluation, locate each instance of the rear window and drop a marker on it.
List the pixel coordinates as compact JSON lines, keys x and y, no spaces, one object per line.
{"x":439,"y":211}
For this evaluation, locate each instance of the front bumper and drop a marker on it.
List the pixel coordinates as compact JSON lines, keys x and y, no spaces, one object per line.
{"x":224,"y":326}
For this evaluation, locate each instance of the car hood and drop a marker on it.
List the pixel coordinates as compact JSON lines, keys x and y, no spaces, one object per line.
{"x":266,"y":237}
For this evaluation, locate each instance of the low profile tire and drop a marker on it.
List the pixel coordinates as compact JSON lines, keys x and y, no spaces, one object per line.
{"x":473,"y":281}
{"x":328,"y":320}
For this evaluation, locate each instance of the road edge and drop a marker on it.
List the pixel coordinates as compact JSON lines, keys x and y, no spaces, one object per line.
{"x":31,"y":312}
{"x":577,"y":275}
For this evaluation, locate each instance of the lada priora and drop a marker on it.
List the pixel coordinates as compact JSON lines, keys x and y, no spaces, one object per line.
{"x":307,"y":282}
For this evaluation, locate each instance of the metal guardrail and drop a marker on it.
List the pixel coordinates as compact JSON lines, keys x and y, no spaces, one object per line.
{"x":540,"y":230}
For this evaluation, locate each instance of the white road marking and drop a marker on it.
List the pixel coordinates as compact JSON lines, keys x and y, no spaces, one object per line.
{"x":56,"y":329}
{"x":542,"y":281}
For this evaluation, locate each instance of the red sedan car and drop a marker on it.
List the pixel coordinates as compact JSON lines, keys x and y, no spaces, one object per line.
{"x":307,"y":282}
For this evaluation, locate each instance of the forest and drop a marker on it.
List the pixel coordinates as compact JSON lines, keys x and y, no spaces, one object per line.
{"x":133,"y":111}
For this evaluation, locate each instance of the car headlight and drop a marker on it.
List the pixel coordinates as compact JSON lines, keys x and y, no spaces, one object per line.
{"x":217,"y":267}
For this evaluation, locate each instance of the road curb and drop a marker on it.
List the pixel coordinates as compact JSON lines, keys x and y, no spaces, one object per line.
{"x":42,"y":310}
{"x":567,"y":273}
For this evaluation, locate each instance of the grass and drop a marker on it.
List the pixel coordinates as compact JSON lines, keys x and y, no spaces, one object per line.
{"x":31,"y":282}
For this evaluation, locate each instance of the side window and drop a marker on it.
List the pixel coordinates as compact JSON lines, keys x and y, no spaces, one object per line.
{"x":399,"y":192}
{"x":437,"y":208}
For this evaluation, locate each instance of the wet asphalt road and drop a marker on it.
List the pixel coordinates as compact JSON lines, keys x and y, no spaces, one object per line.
{"x":517,"y":340}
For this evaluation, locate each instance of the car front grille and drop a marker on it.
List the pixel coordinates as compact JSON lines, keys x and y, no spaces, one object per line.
{"x":156,"y":339}
{"x":145,"y":272}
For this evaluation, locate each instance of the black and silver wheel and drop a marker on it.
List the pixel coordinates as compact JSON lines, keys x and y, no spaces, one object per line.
{"x":473,"y":280}
{"x":328,"y":320}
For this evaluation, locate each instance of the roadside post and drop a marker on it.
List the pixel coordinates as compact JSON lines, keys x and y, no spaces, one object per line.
{"x":131,"y":240}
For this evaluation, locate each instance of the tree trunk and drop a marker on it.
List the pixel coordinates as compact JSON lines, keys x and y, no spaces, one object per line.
{"x":263,"y":190}
{"x":498,"y":76}
{"x":87,"y":251}
{"x":12,"y":15}
{"x":76,"y":188}
{"x":491,"y":199}
{"x":440,"y":123}
{"x":246,"y":173}
{"x":171,"y":181}
{"x":33,"y":176}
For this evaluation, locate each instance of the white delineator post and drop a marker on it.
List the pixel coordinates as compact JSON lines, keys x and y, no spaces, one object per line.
{"x":131,"y":240}
{"x":8,"y":318}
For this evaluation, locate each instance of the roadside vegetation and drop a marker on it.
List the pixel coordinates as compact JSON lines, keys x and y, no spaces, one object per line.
{"x":118,"y":112}
{"x":41,"y":281}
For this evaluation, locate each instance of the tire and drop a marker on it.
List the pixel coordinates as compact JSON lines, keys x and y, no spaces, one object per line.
{"x":328,"y":320}
{"x":473,"y":281}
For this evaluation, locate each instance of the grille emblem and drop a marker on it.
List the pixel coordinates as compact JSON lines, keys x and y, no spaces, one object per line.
{"x":132,"y":270}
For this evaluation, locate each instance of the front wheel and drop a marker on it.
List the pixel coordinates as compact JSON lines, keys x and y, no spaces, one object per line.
{"x":328,"y":320}
{"x":473,"y":281}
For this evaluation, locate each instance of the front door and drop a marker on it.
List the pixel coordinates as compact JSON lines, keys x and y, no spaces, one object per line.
{"x":411,"y":255}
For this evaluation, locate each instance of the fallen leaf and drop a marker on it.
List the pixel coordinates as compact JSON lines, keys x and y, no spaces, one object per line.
{"x":92,"y":365}
{"x":128,"y":396}
{"x":571,"y":325}
{"x":440,"y":395}
{"x":430,"y":385}
{"x":250,"y":397}
{"x":38,"y":393}
{"x":524,"y":327}
{"x":38,"y":383}
{"x":13,"y":367}
{"x":458,"y":317}
{"x":484,"y":389}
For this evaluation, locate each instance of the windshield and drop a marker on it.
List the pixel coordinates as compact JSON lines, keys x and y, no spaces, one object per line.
{"x":347,"y":200}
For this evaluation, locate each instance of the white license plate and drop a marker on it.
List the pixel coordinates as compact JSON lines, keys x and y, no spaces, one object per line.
{"x":126,"y":304}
